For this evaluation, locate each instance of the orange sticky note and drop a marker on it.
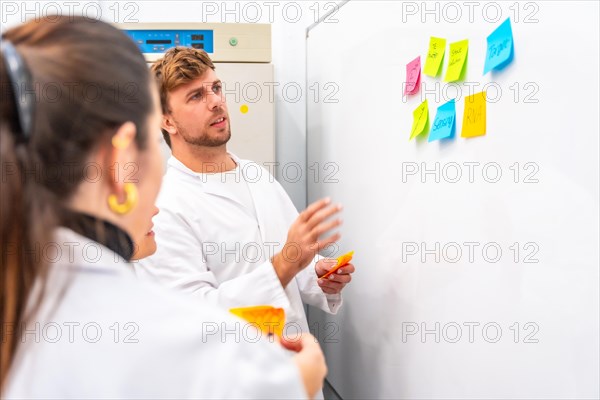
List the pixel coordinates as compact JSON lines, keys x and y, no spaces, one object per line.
{"x":268,"y":319}
{"x":341,"y":261}
{"x":474,"y":121}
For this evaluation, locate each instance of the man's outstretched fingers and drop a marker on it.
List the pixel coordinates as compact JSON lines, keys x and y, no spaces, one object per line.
{"x":322,"y":214}
{"x":321,"y":244}
{"x":326,"y":227}
{"x":313,"y":208}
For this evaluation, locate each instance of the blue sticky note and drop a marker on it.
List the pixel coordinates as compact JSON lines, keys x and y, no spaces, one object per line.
{"x":444,"y":125}
{"x":500,"y":48}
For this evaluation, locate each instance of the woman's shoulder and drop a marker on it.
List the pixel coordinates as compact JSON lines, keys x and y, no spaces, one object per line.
{"x":113,"y":335}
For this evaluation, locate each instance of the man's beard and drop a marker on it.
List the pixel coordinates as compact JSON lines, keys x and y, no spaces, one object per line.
{"x":204,"y":140}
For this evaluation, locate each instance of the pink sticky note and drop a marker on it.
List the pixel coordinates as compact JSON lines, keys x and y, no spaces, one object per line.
{"x":413,"y":76}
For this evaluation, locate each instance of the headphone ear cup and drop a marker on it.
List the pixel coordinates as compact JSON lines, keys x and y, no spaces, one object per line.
{"x":21,"y":83}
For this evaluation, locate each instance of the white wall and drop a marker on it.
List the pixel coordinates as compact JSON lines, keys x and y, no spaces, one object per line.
{"x":289,"y":21}
{"x":405,"y":328}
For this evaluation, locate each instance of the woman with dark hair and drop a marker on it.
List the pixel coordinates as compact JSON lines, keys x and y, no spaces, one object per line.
{"x":81,"y":169}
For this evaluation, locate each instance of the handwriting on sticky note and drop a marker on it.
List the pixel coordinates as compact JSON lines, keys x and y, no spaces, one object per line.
{"x":500,"y":49}
{"x":444,"y":123}
{"x":413,"y":76}
{"x":458,"y":60}
{"x":435,"y":56}
{"x":474,"y":118}
{"x":420,"y":118}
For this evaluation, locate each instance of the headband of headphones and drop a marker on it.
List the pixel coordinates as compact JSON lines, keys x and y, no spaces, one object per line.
{"x":20,"y":79}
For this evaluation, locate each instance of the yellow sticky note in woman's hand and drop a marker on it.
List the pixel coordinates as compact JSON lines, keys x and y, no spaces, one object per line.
{"x":268,"y":319}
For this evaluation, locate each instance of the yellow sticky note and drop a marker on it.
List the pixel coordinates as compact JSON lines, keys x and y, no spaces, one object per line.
{"x":435,"y":55}
{"x":420,"y":118}
{"x":268,"y":319}
{"x":474,"y":116}
{"x":458,"y":60}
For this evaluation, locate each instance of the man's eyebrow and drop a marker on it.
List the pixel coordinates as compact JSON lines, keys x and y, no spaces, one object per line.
{"x":198,"y":90}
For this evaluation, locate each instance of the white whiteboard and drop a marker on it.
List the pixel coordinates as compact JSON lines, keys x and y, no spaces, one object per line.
{"x":363,"y":50}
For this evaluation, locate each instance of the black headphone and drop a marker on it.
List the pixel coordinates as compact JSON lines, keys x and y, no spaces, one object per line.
{"x":20,"y":79}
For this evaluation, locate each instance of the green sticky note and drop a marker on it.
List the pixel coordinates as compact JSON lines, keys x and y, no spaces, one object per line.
{"x":435,"y":56}
{"x":458,"y":61}
{"x":420,"y":119}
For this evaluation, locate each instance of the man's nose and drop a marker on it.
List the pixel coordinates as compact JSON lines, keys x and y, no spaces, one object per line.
{"x":215,"y":100}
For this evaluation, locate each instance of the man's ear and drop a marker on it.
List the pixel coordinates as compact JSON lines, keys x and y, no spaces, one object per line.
{"x":168,"y":124}
{"x":122,"y":156}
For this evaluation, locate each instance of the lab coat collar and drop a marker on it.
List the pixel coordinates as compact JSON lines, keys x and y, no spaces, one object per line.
{"x":175,"y":163}
{"x":255,"y":187}
{"x":101,"y":231}
{"x":82,"y":252}
{"x":209,"y":186}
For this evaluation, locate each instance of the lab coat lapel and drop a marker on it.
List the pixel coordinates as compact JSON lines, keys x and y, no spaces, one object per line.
{"x":269,"y":205}
{"x":257,"y":192}
{"x":260,"y":192}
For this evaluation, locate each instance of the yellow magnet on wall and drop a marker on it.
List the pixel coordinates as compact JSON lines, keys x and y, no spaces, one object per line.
{"x":243,"y":109}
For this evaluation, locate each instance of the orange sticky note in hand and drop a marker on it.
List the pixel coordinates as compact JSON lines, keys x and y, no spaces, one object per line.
{"x":341,"y":261}
{"x":268,"y":319}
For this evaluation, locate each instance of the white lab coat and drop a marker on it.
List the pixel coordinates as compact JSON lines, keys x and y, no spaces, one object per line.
{"x":210,"y":245}
{"x":162,"y":346}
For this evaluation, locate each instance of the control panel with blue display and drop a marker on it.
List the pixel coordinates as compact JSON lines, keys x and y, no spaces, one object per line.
{"x":159,"y":41}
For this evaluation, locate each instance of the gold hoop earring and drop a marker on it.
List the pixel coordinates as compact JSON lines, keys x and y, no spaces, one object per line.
{"x":131,"y":200}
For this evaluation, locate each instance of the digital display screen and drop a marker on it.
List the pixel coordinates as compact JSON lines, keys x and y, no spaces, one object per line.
{"x":158,"y":41}
{"x":152,"y":41}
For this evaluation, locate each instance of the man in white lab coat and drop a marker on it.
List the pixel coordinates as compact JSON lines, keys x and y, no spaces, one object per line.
{"x":227,"y":231}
